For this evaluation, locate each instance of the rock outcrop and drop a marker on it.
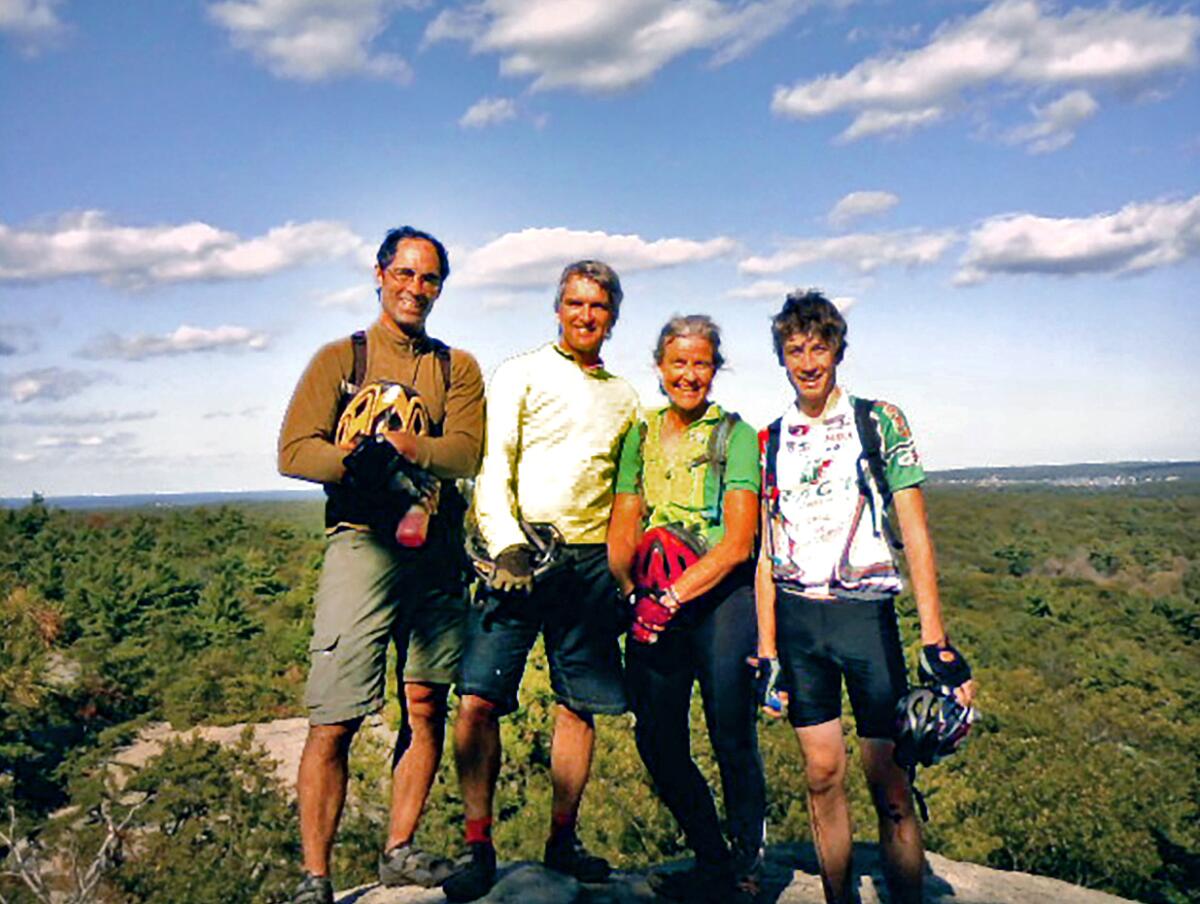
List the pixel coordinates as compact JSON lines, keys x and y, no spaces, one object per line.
{"x":790,"y":878}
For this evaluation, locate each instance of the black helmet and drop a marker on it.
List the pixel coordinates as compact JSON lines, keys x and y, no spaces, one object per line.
{"x":544,"y":538}
{"x":930,"y":725}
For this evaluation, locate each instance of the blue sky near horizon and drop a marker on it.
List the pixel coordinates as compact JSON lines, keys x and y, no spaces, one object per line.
{"x":1005,"y":196}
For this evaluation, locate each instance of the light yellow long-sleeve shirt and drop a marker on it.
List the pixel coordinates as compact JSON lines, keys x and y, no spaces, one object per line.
{"x":553,"y":433}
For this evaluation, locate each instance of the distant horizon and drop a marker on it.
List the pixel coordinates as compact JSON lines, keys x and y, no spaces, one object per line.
{"x":315,"y":491}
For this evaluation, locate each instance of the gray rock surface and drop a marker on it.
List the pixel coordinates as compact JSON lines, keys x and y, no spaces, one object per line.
{"x":790,"y":878}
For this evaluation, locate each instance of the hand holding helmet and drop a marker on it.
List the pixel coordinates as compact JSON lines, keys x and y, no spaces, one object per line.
{"x":514,"y":570}
{"x":661,"y":557}
{"x":941,"y":665}
{"x":651,"y":614}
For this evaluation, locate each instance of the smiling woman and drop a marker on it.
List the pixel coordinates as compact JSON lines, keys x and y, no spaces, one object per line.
{"x":689,"y":479}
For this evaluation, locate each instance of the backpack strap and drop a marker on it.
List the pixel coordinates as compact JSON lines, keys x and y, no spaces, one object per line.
{"x":770,"y":450}
{"x":442,"y":351}
{"x":359,"y":342}
{"x":872,"y":456}
{"x":768,"y":442}
{"x":717,"y":457}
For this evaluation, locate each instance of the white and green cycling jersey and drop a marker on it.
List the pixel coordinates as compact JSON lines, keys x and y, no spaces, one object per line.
{"x":825,"y":537}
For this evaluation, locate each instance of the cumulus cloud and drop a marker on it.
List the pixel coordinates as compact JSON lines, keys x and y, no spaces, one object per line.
{"x":861,"y":252}
{"x":311,"y":40}
{"x":488,"y":111}
{"x":534,"y":257}
{"x":46,"y":384}
{"x":87,"y":244}
{"x":608,"y":45}
{"x":1136,"y":238}
{"x":74,"y":447}
{"x":1020,"y":43}
{"x":352,"y":297}
{"x":32,"y":24}
{"x":860,"y":204}
{"x":762,"y":288}
{"x":1055,"y":123}
{"x":183,"y":340}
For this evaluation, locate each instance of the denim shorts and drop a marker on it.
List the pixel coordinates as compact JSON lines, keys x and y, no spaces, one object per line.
{"x":576,"y":610}
{"x":820,"y":641}
{"x":371,"y":593}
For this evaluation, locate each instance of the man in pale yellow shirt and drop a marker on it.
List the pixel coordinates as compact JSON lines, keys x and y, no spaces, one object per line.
{"x":555,"y":422}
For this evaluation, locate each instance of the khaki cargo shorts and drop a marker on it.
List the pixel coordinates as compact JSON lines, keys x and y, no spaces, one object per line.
{"x":369,"y":594}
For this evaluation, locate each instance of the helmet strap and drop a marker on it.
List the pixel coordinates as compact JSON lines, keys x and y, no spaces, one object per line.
{"x":922,"y":807}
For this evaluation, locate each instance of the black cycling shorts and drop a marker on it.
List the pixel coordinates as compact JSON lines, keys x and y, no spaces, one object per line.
{"x":822,"y":640}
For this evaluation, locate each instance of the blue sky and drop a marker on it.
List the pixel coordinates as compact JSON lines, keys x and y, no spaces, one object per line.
{"x":1005,"y":197}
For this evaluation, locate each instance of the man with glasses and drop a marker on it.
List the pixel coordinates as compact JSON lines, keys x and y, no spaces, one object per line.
{"x":385,"y":419}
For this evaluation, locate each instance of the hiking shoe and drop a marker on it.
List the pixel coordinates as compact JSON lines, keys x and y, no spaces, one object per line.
{"x":747,"y":875}
{"x":566,"y":854}
{"x":407,"y":864}
{"x":702,"y":884}
{"x":475,"y":874}
{"x":313,"y":890}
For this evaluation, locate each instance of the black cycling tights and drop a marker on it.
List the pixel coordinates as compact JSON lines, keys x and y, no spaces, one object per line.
{"x":709,"y":642}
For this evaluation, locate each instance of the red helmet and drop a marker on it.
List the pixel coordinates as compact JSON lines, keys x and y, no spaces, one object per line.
{"x":663,"y":555}
{"x":381,"y":406}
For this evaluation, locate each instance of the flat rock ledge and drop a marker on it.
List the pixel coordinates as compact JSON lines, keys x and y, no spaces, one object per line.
{"x":790,"y":878}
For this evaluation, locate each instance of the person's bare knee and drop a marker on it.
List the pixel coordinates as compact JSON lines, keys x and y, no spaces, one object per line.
{"x":572,"y":719}
{"x":477,"y":709}
{"x":824,"y":756}
{"x":426,"y":704}
{"x":330,"y":742}
{"x":887,"y":782}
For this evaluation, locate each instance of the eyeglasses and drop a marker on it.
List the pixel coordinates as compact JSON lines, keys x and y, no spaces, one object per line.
{"x":407,"y":274}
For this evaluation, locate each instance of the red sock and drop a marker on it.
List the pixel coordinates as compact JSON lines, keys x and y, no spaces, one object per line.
{"x":562,"y":824}
{"x":479,"y":831}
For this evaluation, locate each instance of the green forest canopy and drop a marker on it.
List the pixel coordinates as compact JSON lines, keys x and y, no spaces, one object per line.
{"x":1080,"y":612}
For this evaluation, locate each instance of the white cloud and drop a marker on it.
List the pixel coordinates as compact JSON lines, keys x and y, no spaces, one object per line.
{"x":860,"y":204}
{"x":46,"y":383}
{"x":351,"y":298}
{"x":1012,"y":42}
{"x":1137,"y":237}
{"x":78,"y":419}
{"x":535,"y":257}
{"x":762,"y":288}
{"x":31,"y":23}
{"x":1054,"y":124}
{"x":891,"y":122}
{"x":488,"y":111}
{"x":74,"y":447}
{"x":183,"y":340}
{"x":310,"y":40}
{"x":862,"y":252}
{"x":608,"y":45}
{"x":87,"y":244}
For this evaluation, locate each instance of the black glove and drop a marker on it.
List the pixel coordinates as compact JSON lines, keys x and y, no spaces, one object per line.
{"x":766,"y":682}
{"x":935,"y":667}
{"x":374,"y":466}
{"x":514,"y":570}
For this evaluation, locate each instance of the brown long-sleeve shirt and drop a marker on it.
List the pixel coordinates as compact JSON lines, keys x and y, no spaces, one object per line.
{"x":306,"y":448}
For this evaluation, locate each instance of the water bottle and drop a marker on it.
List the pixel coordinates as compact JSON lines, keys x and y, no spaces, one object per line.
{"x":414,"y":526}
